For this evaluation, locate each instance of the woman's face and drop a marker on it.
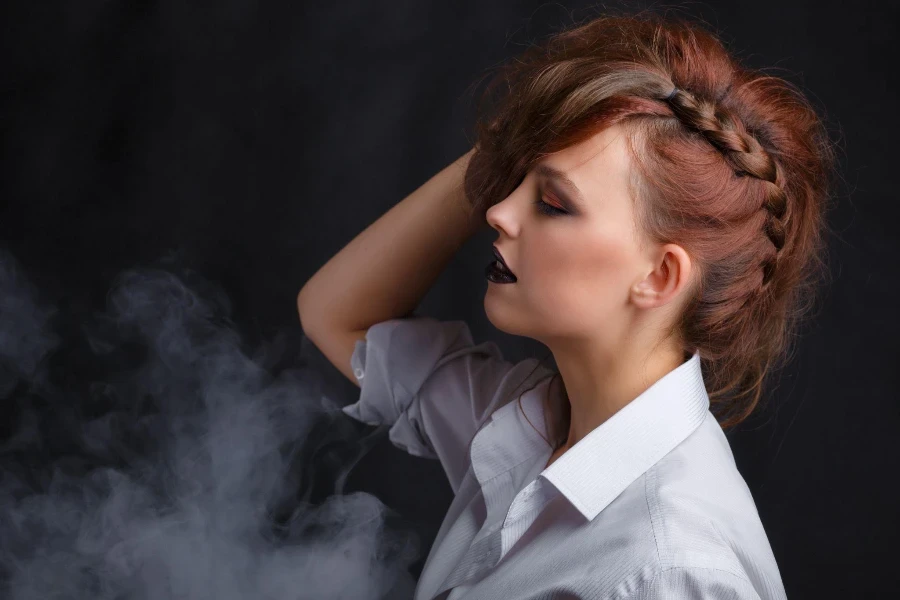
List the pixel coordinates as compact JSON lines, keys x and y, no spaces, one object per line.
{"x":576,"y":269}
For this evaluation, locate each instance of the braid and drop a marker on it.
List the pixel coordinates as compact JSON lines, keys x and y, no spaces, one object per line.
{"x":745,"y":154}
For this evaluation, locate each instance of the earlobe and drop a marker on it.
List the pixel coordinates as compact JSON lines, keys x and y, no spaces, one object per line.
{"x":643,"y":293}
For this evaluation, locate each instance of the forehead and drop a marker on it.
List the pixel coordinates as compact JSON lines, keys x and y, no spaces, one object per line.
{"x":599,"y":166}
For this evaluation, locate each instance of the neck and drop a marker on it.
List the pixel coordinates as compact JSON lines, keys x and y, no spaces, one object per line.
{"x":599,"y":388}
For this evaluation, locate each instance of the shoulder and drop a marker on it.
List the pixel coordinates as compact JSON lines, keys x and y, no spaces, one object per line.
{"x":686,"y":528}
{"x":704,"y":519}
{"x":677,"y":509}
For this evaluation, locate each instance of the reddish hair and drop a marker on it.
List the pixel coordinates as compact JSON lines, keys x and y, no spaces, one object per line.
{"x":735,"y":167}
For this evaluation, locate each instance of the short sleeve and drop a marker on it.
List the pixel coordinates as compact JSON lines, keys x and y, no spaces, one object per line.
{"x":433,"y":385}
{"x":696,"y":583}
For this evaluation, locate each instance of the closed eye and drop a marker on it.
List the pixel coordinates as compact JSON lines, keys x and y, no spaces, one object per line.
{"x":548,"y":209}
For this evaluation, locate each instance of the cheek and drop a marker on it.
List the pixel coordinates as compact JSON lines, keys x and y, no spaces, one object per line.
{"x":588,"y":281}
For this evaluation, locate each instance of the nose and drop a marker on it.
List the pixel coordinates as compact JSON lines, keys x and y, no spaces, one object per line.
{"x":497,"y":216}
{"x":502,"y":216}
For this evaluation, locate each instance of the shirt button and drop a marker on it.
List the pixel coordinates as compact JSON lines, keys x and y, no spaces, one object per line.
{"x":358,"y":373}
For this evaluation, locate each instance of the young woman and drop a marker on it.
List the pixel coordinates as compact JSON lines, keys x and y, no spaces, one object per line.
{"x":660,"y":215}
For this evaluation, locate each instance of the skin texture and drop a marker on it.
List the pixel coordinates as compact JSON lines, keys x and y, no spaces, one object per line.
{"x":590,"y":287}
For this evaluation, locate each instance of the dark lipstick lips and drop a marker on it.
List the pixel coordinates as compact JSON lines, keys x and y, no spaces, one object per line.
{"x":500,"y":258}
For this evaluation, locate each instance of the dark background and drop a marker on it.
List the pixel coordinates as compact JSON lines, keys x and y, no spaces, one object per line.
{"x":172,"y":174}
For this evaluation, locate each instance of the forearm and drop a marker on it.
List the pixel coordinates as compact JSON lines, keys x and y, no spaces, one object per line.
{"x":386,"y":270}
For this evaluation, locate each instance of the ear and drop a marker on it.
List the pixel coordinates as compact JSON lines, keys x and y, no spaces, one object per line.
{"x":669,"y":275}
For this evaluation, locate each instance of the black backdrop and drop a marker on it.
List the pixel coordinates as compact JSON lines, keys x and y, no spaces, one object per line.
{"x":172,"y":174}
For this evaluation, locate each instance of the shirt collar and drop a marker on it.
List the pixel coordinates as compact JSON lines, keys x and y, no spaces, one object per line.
{"x":598,"y":468}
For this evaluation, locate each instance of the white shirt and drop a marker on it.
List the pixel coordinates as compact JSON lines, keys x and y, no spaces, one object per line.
{"x":648,"y":505}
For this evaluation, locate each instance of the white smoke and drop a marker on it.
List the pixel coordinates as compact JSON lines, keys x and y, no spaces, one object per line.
{"x":187,"y":469}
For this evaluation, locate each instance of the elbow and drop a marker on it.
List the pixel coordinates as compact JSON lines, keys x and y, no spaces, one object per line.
{"x":311,"y":317}
{"x":302,"y":303}
{"x":300,"y":298}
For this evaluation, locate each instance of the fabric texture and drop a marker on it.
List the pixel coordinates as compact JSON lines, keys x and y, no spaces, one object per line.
{"x":649,"y":505}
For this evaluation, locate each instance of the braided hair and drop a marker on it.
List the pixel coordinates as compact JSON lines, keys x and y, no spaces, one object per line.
{"x":734,"y":165}
{"x":748,"y":158}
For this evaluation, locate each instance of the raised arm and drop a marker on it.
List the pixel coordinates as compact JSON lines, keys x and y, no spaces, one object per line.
{"x":386,"y":270}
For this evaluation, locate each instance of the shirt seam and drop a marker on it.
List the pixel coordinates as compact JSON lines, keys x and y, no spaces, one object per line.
{"x":651,"y":496}
{"x":648,"y":481}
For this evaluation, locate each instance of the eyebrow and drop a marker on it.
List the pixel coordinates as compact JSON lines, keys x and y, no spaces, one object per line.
{"x":559,"y":176}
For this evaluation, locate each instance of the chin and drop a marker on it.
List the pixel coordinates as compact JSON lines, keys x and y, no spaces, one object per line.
{"x":498,"y":316}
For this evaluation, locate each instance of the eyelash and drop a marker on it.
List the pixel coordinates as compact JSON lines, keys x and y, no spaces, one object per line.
{"x":548,"y":209}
